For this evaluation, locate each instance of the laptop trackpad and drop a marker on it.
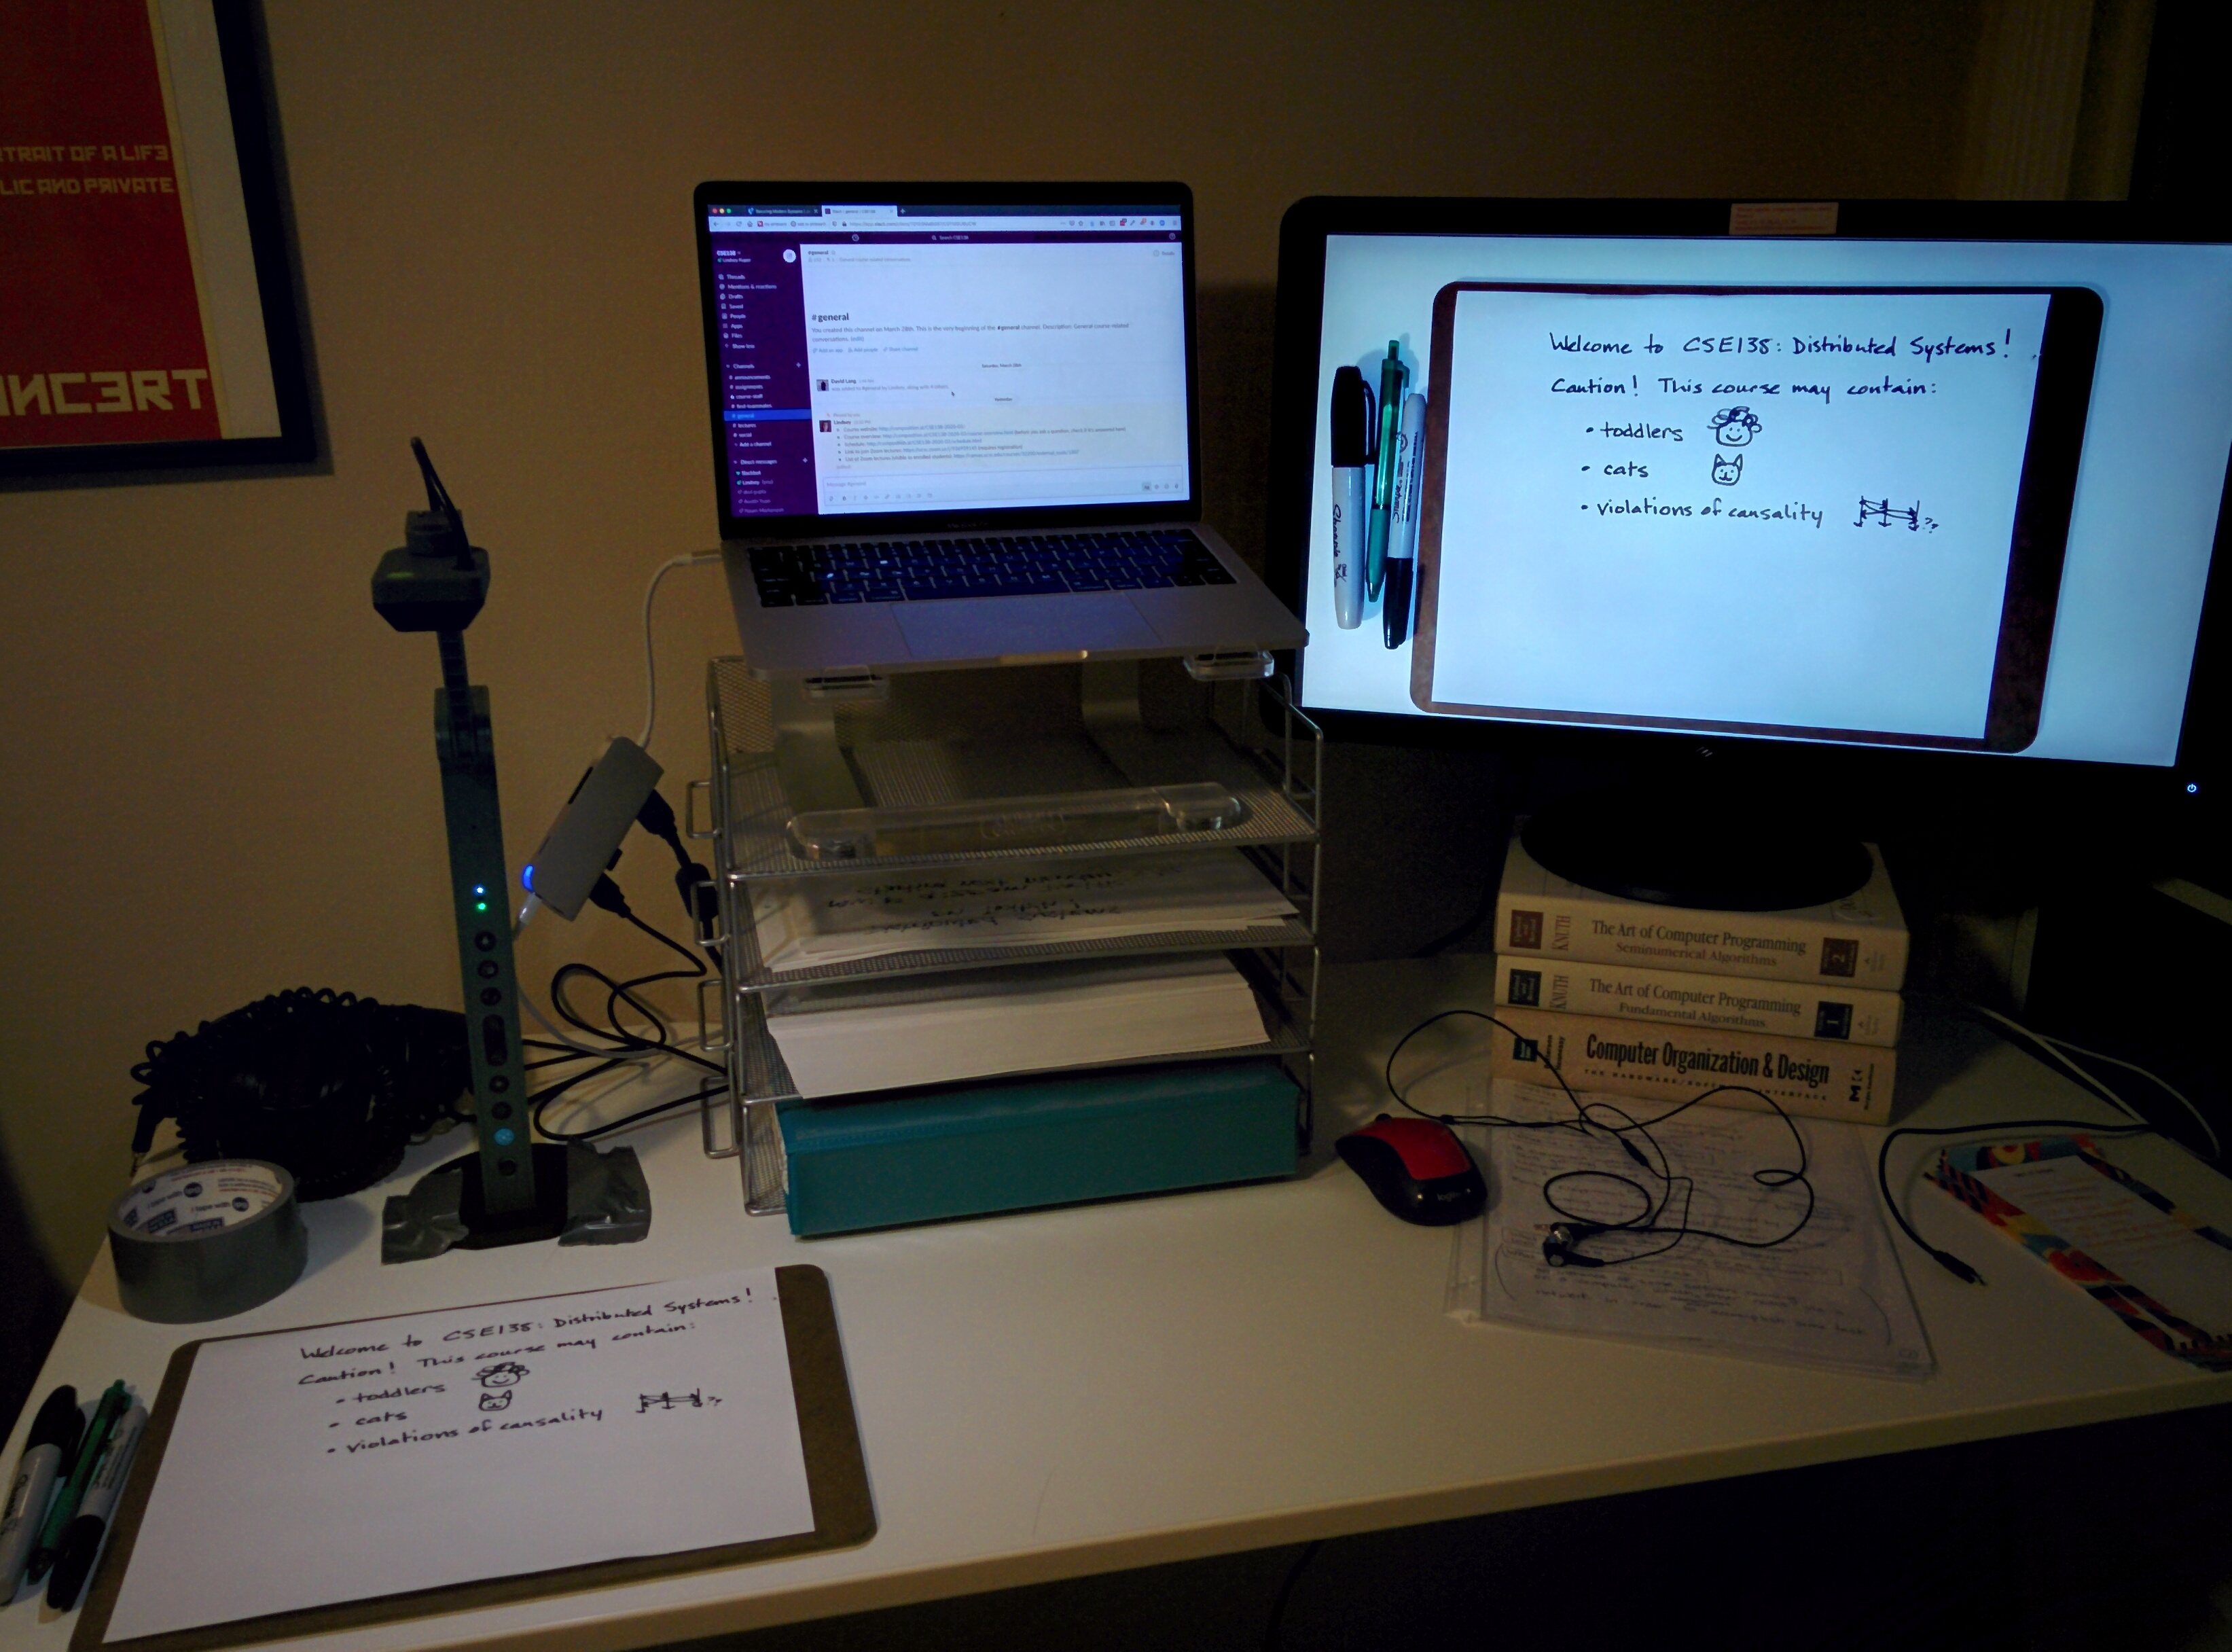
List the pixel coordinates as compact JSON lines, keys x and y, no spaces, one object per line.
{"x":989,"y":628}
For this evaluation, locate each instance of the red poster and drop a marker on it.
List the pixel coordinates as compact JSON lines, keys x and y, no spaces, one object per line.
{"x":102,"y":337}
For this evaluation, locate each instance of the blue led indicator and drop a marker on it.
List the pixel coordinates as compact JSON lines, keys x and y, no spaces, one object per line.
{"x":527,"y":877}
{"x":2192,"y":788}
{"x":505,"y":1137}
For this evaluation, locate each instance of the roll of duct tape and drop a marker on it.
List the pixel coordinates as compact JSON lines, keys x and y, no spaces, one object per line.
{"x":205,"y":1240}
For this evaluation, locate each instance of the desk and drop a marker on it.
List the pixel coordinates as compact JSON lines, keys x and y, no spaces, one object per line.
{"x":1051,"y":1395}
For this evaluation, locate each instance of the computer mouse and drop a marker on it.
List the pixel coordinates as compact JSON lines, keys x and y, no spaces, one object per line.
{"x":1417,"y":1168}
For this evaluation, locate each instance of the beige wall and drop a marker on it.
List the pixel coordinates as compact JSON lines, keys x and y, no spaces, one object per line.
{"x":218,"y":759}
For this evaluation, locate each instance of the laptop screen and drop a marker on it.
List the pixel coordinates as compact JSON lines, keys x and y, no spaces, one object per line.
{"x":894,"y":359}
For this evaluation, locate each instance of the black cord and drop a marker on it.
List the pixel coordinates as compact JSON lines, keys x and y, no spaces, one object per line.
{"x":618,"y":1041}
{"x":2002,"y":1027}
{"x":1286,"y":1588}
{"x":701,"y":899}
{"x":1946,"y":1260}
{"x":1655,"y":1207}
{"x":1647,"y":1220}
{"x":628,"y":1121}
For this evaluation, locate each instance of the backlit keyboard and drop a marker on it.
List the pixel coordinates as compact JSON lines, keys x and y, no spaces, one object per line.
{"x":1020,"y":565}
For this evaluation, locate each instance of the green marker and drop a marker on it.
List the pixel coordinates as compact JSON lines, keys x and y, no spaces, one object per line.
{"x":1392,"y":377}
{"x":114,"y":1404}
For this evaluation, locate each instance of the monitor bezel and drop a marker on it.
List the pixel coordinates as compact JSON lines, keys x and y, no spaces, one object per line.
{"x":1156,"y":196}
{"x":1890,"y":772}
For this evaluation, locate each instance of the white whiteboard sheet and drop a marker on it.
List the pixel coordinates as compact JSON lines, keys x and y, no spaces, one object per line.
{"x":313,"y":1467}
{"x":1636,"y":526}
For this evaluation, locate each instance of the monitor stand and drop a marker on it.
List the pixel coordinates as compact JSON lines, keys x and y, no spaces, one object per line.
{"x":1701,"y":854}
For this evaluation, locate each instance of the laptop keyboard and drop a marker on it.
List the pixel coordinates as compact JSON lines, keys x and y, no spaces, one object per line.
{"x":1018,"y":565}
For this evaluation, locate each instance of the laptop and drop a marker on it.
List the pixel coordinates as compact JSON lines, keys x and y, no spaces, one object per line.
{"x":955,"y":425}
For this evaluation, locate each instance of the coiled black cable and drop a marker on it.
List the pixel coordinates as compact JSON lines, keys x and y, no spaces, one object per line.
{"x":328,"y":1085}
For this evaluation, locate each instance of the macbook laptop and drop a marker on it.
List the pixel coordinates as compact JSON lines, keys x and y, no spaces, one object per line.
{"x":956,"y":424}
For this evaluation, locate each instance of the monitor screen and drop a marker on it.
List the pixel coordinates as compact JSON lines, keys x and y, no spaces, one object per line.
{"x":1899,"y":490}
{"x":888,"y":357}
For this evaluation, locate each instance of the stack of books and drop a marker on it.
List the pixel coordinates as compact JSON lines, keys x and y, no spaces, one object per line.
{"x":1660,"y":1003}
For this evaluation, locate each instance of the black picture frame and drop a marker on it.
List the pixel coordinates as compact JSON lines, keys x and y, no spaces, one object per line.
{"x":247,"y":89}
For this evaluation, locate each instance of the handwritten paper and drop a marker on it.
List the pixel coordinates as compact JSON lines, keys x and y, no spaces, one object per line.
{"x":312,"y":1467}
{"x":1756,"y":507}
{"x":809,"y":923}
{"x":1834,"y":1295}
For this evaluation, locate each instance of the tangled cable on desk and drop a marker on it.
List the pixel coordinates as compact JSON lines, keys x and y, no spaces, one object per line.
{"x":1675,"y":1193}
{"x":616,"y":1044}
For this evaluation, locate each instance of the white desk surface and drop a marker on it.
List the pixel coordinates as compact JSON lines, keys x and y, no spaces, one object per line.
{"x":1049,"y":1395}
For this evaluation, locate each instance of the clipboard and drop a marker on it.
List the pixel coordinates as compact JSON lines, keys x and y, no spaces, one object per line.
{"x":836,"y":1473}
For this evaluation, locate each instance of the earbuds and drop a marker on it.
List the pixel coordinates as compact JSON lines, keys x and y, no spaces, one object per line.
{"x":1557,"y":1248}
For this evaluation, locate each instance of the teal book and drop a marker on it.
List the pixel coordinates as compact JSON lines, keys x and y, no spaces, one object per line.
{"x":927,"y":1156}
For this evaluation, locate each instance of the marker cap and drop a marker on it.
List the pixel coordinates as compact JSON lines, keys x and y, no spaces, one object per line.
{"x":1351,"y":419}
{"x":73,"y":1561}
{"x":58,"y":1423}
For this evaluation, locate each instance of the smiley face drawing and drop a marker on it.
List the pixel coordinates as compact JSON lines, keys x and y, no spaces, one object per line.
{"x":1728,"y":470}
{"x":496,"y":1383}
{"x":1734,"y":426}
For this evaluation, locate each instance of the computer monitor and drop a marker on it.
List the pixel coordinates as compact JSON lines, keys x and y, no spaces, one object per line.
{"x":1897,"y":495}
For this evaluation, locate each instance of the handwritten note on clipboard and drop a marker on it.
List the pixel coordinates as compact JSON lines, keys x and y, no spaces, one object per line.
{"x":339,"y":1476}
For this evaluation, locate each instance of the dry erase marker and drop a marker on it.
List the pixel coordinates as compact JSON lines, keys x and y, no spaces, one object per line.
{"x":1351,"y":494}
{"x":81,"y":1543}
{"x":53,"y":1441}
{"x":115,"y":1401}
{"x":1392,"y":378}
{"x":1403,"y":522}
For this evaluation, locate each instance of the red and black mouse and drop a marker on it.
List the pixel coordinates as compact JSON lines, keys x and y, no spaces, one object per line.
{"x":1417,"y":1168}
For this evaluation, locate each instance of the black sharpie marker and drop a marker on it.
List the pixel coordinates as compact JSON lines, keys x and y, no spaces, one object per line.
{"x":53,"y":1442}
{"x":1351,"y":494}
{"x":1403,"y":522}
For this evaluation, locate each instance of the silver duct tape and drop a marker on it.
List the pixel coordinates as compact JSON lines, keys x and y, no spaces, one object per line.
{"x":202,"y":1242}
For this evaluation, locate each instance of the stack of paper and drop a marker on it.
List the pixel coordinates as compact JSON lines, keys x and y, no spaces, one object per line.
{"x":813,"y":922}
{"x":859,"y":1036}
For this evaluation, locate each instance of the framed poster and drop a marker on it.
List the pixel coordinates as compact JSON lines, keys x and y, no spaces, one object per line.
{"x":147,"y":316}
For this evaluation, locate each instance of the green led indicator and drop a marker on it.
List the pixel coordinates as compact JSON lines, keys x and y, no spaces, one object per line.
{"x":480,"y":906}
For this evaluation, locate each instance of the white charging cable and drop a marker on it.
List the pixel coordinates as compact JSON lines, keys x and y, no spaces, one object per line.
{"x":696,"y":559}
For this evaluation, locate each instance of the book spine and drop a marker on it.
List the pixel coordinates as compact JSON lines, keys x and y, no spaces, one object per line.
{"x":1670,"y":1065}
{"x":1785,"y":1010}
{"x":1764,"y":946}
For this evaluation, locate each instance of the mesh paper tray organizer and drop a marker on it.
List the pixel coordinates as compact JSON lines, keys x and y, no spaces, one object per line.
{"x":1008,"y":766}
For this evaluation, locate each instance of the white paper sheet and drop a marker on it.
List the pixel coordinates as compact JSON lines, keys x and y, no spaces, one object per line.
{"x":894,"y":1032}
{"x":841,"y":920}
{"x":2105,"y":1220}
{"x":312,"y":1467}
{"x":1834,"y":1295}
